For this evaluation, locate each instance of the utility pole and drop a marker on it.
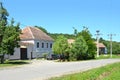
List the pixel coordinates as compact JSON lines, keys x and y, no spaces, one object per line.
{"x":97,"y":37}
{"x":111,"y":43}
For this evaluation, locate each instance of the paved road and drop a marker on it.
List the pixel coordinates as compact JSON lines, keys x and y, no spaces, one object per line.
{"x":40,"y":70}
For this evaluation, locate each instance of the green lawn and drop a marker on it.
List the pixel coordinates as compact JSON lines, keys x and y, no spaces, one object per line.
{"x":10,"y":63}
{"x":109,"y":72}
{"x":108,"y":56}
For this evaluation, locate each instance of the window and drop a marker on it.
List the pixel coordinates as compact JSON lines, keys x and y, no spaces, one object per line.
{"x":46,"y":45}
{"x":50,"y":45}
{"x":37,"y":44}
{"x":42,"y":45}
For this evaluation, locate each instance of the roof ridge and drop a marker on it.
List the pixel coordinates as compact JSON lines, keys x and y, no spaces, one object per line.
{"x":40,"y":30}
{"x":31,"y":32}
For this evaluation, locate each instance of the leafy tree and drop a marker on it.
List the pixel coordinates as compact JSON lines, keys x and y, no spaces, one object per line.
{"x":90,"y":42}
{"x":60,"y":46}
{"x":9,"y":34}
{"x":79,"y":48}
{"x":10,"y":40}
{"x":3,"y":14}
{"x":68,"y":36}
{"x":3,"y":20}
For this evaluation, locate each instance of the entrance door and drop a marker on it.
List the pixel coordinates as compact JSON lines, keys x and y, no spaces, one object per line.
{"x":23,"y":53}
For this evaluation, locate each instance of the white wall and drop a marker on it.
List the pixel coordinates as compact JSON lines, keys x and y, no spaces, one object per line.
{"x":40,"y":51}
{"x":32,"y":48}
{"x":16,"y":54}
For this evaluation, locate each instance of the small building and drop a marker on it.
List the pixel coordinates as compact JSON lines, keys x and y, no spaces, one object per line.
{"x":102,"y":48}
{"x":34,"y":43}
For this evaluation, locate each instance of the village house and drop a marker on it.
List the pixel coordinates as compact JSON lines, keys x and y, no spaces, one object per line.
{"x":34,"y":43}
{"x":102,"y":48}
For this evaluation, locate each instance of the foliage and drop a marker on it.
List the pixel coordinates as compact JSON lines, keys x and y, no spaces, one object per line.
{"x":90,"y":42}
{"x":68,"y":36}
{"x":109,"y":72}
{"x":60,"y":45}
{"x":9,"y":34}
{"x":11,"y":38}
{"x":3,"y":14}
{"x":79,"y":48}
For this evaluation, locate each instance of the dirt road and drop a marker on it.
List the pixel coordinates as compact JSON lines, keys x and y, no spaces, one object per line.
{"x":43,"y":69}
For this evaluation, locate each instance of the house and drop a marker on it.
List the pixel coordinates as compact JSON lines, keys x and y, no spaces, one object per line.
{"x":102,"y":48}
{"x":34,"y":43}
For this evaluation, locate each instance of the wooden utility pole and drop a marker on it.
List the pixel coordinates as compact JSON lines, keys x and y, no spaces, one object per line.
{"x":111,"y":43}
{"x":97,"y":37}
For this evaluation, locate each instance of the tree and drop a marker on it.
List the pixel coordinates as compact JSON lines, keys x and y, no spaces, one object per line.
{"x":9,"y":34}
{"x":3,"y":20}
{"x":79,"y":48}
{"x":90,"y":42}
{"x":10,"y":40}
{"x":60,"y":45}
{"x":3,"y":14}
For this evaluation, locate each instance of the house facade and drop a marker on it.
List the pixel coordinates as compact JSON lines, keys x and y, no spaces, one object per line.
{"x":34,"y":43}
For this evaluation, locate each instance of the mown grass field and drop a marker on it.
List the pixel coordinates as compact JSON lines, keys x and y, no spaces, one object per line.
{"x":109,"y":72}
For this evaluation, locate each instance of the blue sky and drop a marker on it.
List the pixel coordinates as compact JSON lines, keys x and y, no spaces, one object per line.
{"x":60,"y":16}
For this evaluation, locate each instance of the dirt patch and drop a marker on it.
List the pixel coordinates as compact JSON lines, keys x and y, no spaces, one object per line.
{"x":103,"y":75}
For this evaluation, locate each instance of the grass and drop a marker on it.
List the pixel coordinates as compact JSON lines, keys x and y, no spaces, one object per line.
{"x":109,"y":72}
{"x":10,"y":63}
{"x":108,"y":56}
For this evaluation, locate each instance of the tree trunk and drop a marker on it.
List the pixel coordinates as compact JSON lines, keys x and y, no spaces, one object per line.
{"x":2,"y":59}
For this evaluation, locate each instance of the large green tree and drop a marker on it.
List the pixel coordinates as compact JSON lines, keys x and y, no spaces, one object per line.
{"x":9,"y":34}
{"x":10,"y":40}
{"x":79,"y":49}
{"x":3,"y":14}
{"x":60,"y":46}
{"x":3,"y":20}
{"x":90,"y":42}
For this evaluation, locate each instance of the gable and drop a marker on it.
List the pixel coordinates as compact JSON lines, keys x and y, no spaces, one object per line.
{"x":34,"y":33}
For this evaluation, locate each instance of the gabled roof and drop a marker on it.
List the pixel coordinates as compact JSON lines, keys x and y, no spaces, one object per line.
{"x":34,"y":33}
{"x":101,"y":45}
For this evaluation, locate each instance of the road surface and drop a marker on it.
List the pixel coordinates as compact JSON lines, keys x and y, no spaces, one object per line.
{"x":43,"y":69}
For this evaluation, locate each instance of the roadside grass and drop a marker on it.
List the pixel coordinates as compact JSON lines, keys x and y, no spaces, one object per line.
{"x":10,"y":63}
{"x":109,"y":72}
{"x":108,"y":56}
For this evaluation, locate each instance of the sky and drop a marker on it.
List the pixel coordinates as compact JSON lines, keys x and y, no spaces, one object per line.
{"x":60,"y":16}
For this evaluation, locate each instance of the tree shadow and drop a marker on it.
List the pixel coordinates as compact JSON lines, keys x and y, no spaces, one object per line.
{"x":17,"y":62}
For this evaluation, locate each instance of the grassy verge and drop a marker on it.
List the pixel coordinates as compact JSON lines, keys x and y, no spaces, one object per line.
{"x":108,"y":56}
{"x":109,"y":72}
{"x":10,"y":63}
